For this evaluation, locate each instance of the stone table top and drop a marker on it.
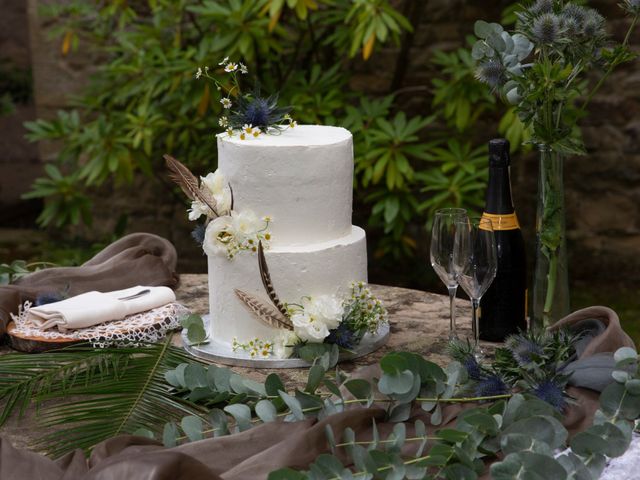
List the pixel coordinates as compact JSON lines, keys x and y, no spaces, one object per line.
{"x":419,"y":323}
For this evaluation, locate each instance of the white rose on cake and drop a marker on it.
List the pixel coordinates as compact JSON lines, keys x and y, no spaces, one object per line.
{"x":308,"y":328}
{"x":219,"y":188}
{"x":326,"y":308}
{"x":245,"y":225}
{"x":218,"y":237}
{"x":317,"y":316}
{"x":198,"y":209}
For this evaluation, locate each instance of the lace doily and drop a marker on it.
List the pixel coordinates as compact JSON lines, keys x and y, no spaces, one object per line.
{"x":145,"y":327}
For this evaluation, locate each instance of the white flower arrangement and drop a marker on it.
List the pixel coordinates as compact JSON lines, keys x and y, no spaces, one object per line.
{"x":225,"y":231}
{"x":254,"y":347}
{"x":236,"y":232}
{"x":249,"y":115}
{"x":315,"y":317}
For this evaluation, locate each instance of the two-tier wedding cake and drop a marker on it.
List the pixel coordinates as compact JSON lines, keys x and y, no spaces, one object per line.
{"x":301,"y":181}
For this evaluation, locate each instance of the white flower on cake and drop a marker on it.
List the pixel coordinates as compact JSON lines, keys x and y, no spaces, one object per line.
{"x":223,"y":121}
{"x":316,"y":317}
{"x":233,"y":233}
{"x":226,"y":103}
{"x":284,"y":343}
{"x":218,"y":236}
{"x":219,"y":188}
{"x":216,"y":185}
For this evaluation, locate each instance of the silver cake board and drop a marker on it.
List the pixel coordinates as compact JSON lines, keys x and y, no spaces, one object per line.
{"x":219,"y":353}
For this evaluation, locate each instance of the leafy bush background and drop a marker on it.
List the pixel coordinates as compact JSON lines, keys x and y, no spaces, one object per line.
{"x":143,"y":101}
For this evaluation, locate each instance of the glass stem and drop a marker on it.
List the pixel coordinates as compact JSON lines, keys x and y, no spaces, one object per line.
{"x":475,"y":303}
{"x":452,"y":312}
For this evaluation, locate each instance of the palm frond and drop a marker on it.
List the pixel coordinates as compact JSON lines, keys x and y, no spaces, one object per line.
{"x":114,"y":391}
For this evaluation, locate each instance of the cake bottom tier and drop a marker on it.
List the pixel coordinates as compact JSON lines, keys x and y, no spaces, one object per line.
{"x":325,"y":268}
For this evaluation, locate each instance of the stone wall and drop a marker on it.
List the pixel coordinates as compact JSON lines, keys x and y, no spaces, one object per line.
{"x":602,"y":188}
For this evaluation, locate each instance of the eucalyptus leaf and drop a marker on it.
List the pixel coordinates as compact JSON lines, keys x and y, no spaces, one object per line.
{"x":576,"y":470}
{"x":220,"y":422}
{"x":400,"y":383}
{"x":316,"y":374}
{"x":527,"y":466}
{"x":400,"y":413}
{"x":241,"y":414}
{"x":170,"y":435}
{"x":482,"y":29}
{"x":266,"y":411}
{"x":192,"y":427}
{"x":195,"y":376}
{"x":360,"y":389}
{"x":293,"y":404}
{"x":273,"y":385}
{"x":625,"y":354}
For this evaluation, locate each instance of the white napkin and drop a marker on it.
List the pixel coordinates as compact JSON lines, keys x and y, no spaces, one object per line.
{"x":92,"y":308}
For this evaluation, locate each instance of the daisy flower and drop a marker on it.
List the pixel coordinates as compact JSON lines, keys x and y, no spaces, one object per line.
{"x":226,"y":103}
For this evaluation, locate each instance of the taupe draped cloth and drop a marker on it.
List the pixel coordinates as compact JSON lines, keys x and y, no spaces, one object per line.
{"x":252,"y":454}
{"x":136,"y":259}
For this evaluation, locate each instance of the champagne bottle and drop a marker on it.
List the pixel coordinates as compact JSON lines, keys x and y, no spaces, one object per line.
{"x":503,"y":308}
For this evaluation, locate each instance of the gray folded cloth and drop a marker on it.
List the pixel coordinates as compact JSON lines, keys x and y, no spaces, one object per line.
{"x":592,"y":365}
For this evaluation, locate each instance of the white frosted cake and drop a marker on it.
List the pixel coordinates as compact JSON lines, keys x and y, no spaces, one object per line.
{"x":301,"y":181}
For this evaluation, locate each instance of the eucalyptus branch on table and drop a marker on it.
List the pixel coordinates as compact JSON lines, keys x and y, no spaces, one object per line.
{"x":516,"y":424}
{"x":544,"y":68}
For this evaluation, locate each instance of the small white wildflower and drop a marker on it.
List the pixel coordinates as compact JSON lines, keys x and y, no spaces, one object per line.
{"x":226,"y":103}
{"x":256,"y":133}
{"x":248,"y":128}
{"x":199,"y":73}
{"x":293,"y":124}
{"x":243,"y":136}
{"x":231,"y":67}
{"x":243,"y":68}
{"x":206,"y":69}
{"x":223,"y":121}
{"x":224,"y":62}
{"x":230,"y":131}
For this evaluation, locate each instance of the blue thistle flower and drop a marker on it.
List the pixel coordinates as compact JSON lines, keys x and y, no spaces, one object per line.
{"x":46,"y":298}
{"x":473,"y":367}
{"x":593,"y":24}
{"x":523,"y":349}
{"x":574,"y":12}
{"x":492,"y":72}
{"x":198,"y":233}
{"x":552,"y":393}
{"x":342,"y":336}
{"x":546,"y":28}
{"x":491,"y":385}
{"x":259,"y":112}
{"x":541,"y":6}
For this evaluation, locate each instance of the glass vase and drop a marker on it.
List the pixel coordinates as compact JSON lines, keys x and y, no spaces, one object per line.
{"x":551,"y":279}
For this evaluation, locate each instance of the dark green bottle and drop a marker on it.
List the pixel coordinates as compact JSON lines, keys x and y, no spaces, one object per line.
{"x":503,"y":308}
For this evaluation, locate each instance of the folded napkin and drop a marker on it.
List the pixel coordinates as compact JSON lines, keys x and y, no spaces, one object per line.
{"x":92,"y":308}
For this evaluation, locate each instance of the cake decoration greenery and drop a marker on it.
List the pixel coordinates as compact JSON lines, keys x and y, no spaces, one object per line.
{"x":225,"y":231}
{"x":249,"y":114}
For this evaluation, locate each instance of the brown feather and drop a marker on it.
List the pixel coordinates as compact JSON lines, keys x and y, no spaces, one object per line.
{"x":264,"y":312}
{"x":188,"y":182}
{"x":267,"y":283}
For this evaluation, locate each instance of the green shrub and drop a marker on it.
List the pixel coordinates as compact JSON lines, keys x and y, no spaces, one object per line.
{"x":143,"y":101}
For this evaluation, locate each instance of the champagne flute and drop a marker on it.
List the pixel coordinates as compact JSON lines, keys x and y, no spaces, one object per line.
{"x":441,"y":254}
{"x":475,"y":258}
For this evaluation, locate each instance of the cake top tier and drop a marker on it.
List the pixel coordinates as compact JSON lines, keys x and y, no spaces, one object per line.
{"x":299,"y":136}
{"x":302,"y":178}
